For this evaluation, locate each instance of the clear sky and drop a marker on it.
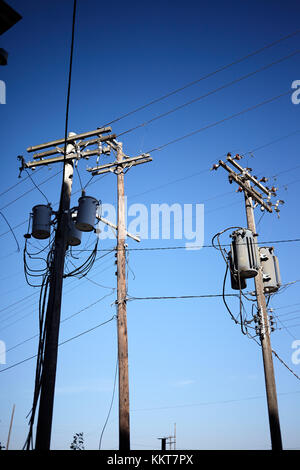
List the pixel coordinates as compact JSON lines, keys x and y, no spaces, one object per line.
{"x":189,"y":364}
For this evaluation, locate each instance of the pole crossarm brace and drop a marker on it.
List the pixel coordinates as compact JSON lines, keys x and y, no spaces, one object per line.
{"x":249,"y":190}
{"x":127,"y":162}
{"x":110,"y":224}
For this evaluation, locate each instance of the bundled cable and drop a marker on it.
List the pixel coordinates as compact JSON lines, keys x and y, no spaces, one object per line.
{"x":84,"y":269}
{"x":40,"y":358}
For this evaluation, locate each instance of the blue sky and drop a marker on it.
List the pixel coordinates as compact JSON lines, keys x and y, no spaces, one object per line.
{"x":189,"y":364}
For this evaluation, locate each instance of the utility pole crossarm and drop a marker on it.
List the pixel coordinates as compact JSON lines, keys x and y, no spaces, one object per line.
{"x":144,"y":158}
{"x":256,"y":196}
{"x":249,"y":176}
{"x":69,"y":139}
{"x":82,"y":143}
{"x":76,"y":154}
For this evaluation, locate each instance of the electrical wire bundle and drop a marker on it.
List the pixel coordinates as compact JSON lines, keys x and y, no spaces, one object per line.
{"x":82,"y":270}
{"x":40,"y":354}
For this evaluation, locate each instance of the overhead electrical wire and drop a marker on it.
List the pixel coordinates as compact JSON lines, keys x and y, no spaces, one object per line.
{"x":111,"y":404}
{"x":226,"y":85}
{"x":158,"y":148}
{"x":16,"y":184}
{"x":221,"y":121}
{"x":169,"y":94}
{"x":30,"y":190}
{"x":204,"y":77}
{"x":183,"y":247}
{"x":62,"y":321}
{"x":61,"y":343}
{"x":69,"y":87}
{"x":220,"y":402}
{"x":12,"y":314}
{"x":11,"y":230}
{"x":283,"y":363}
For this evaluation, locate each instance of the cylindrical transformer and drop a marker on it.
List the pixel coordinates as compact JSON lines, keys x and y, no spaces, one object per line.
{"x":244,"y":253}
{"x":236,"y":282}
{"x":74,"y":235}
{"x":87,"y":208}
{"x":41,"y":220}
{"x":270,"y":270}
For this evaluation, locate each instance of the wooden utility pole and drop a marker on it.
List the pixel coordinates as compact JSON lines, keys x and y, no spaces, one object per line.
{"x":68,"y":150}
{"x":265,"y":338}
{"x":254,"y":192}
{"x":44,"y":424}
{"x":124,"y":425}
{"x":10,"y":426}
{"x":122,"y":162}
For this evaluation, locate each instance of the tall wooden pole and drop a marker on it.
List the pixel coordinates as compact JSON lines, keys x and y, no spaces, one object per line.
{"x":44,"y":424}
{"x":10,"y":427}
{"x":265,"y":340}
{"x":124,"y":426}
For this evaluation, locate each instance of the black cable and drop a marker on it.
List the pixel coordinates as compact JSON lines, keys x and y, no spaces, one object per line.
{"x":40,"y":358}
{"x":226,"y":85}
{"x":183,"y":247}
{"x":36,"y":186}
{"x":16,"y":184}
{"x":175,"y":297}
{"x":69,"y":86}
{"x":282,"y":362}
{"x":111,"y":404}
{"x":85,"y":268}
{"x":60,"y":344}
{"x":65,"y":319}
{"x":221,"y":121}
{"x":30,"y":190}
{"x":223,"y":296}
{"x":220,"y":69}
{"x":10,"y":228}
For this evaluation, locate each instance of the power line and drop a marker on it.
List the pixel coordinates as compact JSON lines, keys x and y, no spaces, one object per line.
{"x":282,"y":362}
{"x":226,"y":85}
{"x":216,"y":123}
{"x":285,"y":306}
{"x":111,"y":404}
{"x":30,"y":190}
{"x":10,"y":228}
{"x":16,"y":184}
{"x":175,"y":297}
{"x":69,"y":85}
{"x":194,"y":174}
{"x":204,"y":77}
{"x":183,"y":247}
{"x":60,"y":344}
{"x":219,"y":402}
{"x":11,"y":314}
